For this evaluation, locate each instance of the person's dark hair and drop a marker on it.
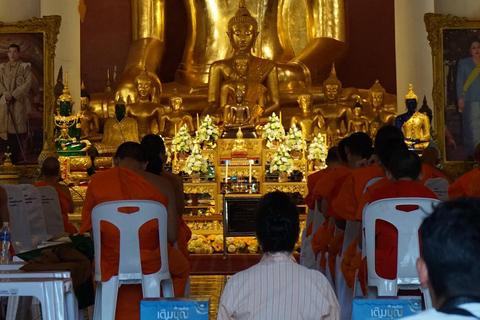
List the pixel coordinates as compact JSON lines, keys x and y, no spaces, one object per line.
{"x":131,"y":150}
{"x":14,"y":45}
{"x":405,"y":164}
{"x":332,"y":156}
{"x":386,"y":134}
{"x":341,"y":150}
{"x":450,"y":242}
{"x":386,"y":152}
{"x":153,"y":146}
{"x":368,"y":153}
{"x":358,"y":143}
{"x":277,"y":222}
{"x":50,"y":167}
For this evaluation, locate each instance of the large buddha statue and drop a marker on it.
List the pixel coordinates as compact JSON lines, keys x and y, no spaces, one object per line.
{"x":310,"y":123}
{"x":117,"y":130}
{"x":336,"y":114}
{"x":176,"y":118}
{"x":146,"y":112}
{"x":89,"y":119}
{"x":415,"y":125}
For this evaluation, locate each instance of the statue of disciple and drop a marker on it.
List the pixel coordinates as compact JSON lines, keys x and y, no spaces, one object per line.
{"x":243,"y":31}
{"x":358,"y":123}
{"x":415,"y":125}
{"x":176,"y":117}
{"x":376,"y":95}
{"x":147,"y":113}
{"x":310,"y":123}
{"x":89,"y":119}
{"x":336,"y":114}
{"x":117,"y":130}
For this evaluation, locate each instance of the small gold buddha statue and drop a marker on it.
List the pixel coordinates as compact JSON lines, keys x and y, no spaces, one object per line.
{"x":239,"y":148}
{"x":146,"y":112}
{"x":310,"y":123}
{"x":117,"y":130}
{"x":358,"y":123}
{"x":376,"y":96}
{"x":415,"y":125}
{"x":89,"y":119}
{"x":176,"y":117}
{"x":239,"y":118}
{"x":335,"y":113}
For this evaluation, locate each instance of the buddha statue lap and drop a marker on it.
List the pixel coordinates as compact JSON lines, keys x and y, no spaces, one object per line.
{"x":415,"y":125}
{"x":176,"y":118}
{"x":310,"y":123}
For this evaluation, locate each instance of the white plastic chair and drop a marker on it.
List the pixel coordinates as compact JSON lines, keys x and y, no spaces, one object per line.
{"x":36,"y":218}
{"x":439,"y":186}
{"x":129,"y":269}
{"x":407,"y":224}
{"x":21,"y":238}
{"x":52,"y":211}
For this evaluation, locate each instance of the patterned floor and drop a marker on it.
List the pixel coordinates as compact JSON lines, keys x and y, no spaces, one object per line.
{"x":208,"y":286}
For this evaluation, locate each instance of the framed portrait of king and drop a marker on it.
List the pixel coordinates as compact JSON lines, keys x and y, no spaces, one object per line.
{"x":27,"y":101}
{"x":455,"y":44}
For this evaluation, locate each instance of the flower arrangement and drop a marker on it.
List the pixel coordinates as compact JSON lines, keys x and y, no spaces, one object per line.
{"x":199,"y":244}
{"x":317,"y":149}
{"x":281,"y":161}
{"x":294,"y":139}
{"x":214,"y":243}
{"x":207,"y":131}
{"x":273,"y":130}
{"x":196,"y":162}
{"x":183,"y":140}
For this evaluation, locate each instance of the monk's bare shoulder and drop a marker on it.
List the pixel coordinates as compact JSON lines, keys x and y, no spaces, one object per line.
{"x":162,"y":184}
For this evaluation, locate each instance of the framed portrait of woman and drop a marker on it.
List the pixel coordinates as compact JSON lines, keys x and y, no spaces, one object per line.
{"x":455,"y":45}
{"x":27,"y":101}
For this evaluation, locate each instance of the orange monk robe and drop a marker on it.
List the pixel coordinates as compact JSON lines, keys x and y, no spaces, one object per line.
{"x":64,"y":205}
{"x":184,"y":235}
{"x":347,"y":201}
{"x":461,"y":186}
{"x":311,"y":182}
{"x":345,"y":265}
{"x":317,"y":238}
{"x":323,"y":187}
{"x":123,"y":184}
{"x":335,"y":190}
{"x":334,"y":249}
{"x":475,"y":185}
{"x":430,"y":172}
{"x":386,"y":234}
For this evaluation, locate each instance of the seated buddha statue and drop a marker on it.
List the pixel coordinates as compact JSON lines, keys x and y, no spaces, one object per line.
{"x":146,"y":112}
{"x":243,"y":31}
{"x":336,"y":114}
{"x":415,"y":125}
{"x":117,"y":130}
{"x":376,"y":96}
{"x":89,"y":119}
{"x":239,"y":148}
{"x":310,"y":123}
{"x":239,"y":118}
{"x":176,"y":118}
{"x":358,"y":123}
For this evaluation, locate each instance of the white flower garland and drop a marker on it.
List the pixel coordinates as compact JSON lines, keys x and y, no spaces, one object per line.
{"x":281,"y":161}
{"x":196,"y":162}
{"x":317,"y":150}
{"x":183,"y":140}
{"x":294,"y":139}
{"x":208,"y":131}
{"x":273,"y":130}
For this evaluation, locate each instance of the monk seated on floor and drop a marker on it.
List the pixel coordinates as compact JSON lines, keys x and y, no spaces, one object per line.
{"x":128,"y":181}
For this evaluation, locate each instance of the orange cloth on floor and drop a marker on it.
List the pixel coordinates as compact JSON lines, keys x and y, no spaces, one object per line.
{"x":475,"y":185}
{"x":64,"y":205}
{"x":345,"y":265}
{"x":311,"y":182}
{"x":334,"y":249}
{"x":461,"y":186}
{"x":386,"y":235}
{"x":346,"y":203}
{"x":123,"y":184}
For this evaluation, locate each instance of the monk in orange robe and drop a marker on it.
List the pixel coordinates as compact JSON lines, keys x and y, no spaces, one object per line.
{"x":475,"y":185}
{"x":128,"y":181}
{"x":461,"y":186}
{"x":51,"y":176}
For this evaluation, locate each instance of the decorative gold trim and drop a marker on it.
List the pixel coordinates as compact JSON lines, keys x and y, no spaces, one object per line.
{"x":209,"y":188}
{"x":290,"y":187}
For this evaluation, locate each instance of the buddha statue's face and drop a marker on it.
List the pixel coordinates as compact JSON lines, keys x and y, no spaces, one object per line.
{"x":377,"y":100}
{"x":242,"y":36}
{"x":241,"y":67}
{"x":411,"y":105}
{"x":304,"y":102}
{"x":331,"y":92}
{"x":84,"y":103}
{"x":120,"y":111}
{"x":239,"y":95}
{"x":144,"y":88}
{"x":176,"y":103}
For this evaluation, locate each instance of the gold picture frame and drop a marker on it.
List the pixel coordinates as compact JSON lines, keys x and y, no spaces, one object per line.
{"x":37,"y":38}
{"x":450,"y":39}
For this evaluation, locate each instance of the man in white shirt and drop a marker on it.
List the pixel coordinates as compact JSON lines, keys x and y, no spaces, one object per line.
{"x":449,"y":266}
{"x":278,"y":287}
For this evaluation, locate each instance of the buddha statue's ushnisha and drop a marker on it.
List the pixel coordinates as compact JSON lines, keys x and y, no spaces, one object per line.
{"x":310,"y":123}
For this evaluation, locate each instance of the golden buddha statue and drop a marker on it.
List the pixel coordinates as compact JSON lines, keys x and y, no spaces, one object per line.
{"x":415,"y":125}
{"x":175,"y":118}
{"x":358,"y":123}
{"x":89,"y":119}
{"x":117,"y":130}
{"x":239,"y":148}
{"x":376,"y":124}
{"x":376,"y":96}
{"x":147,"y":113}
{"x":239,"y":118}
{"x":310,"y":123}
{"x":336,"y":114}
